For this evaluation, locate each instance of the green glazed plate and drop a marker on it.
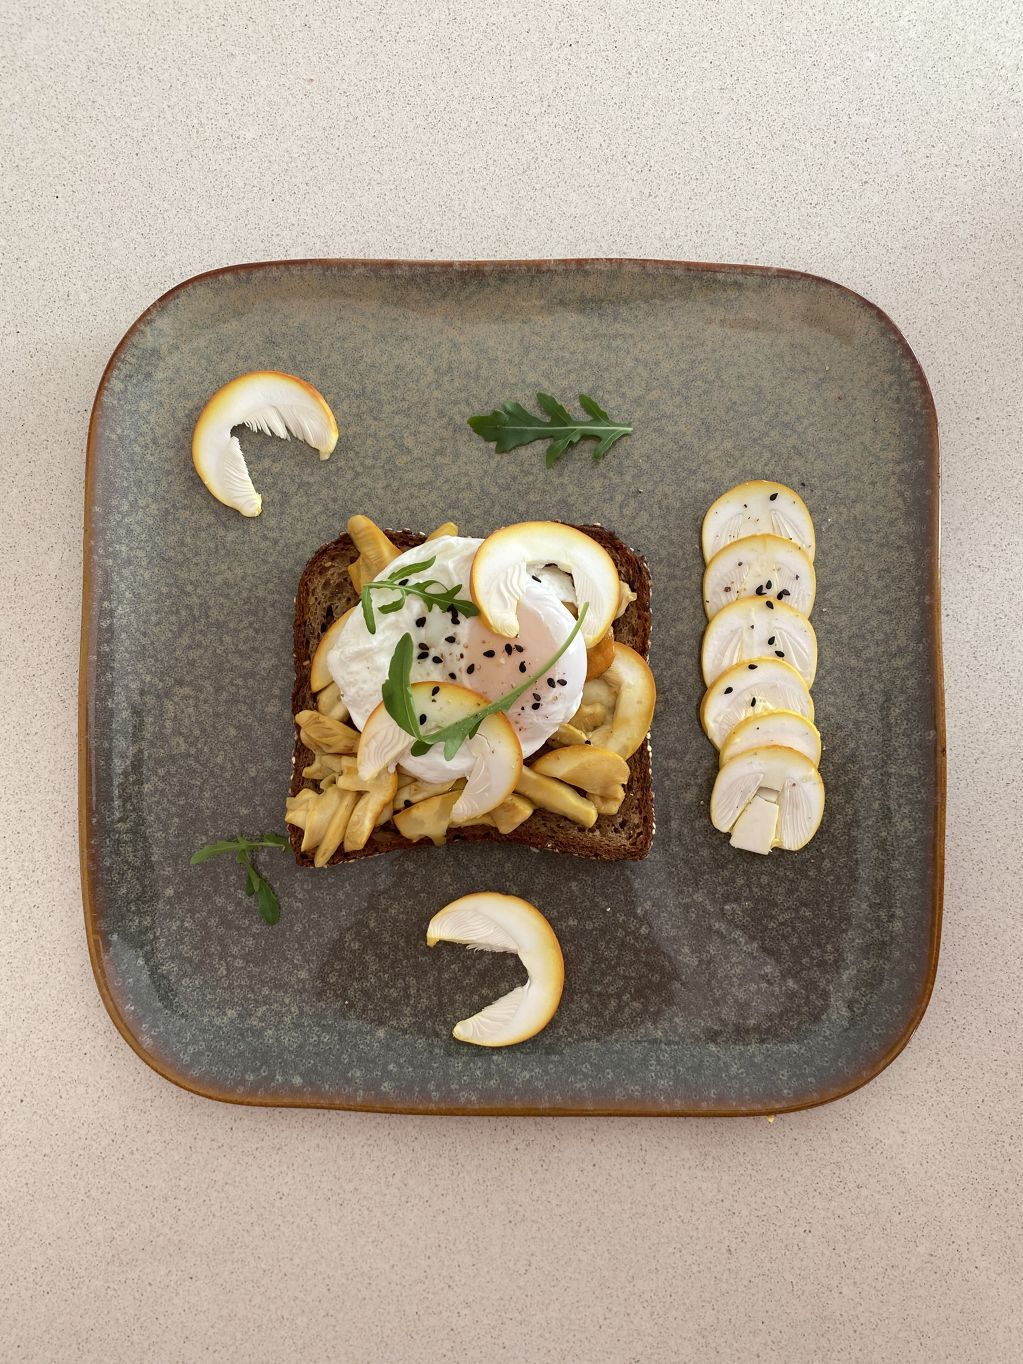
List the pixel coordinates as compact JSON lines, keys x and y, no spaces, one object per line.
{"x":700,"y":980}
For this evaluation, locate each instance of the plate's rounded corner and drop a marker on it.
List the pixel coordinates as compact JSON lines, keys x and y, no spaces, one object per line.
{"x":162,"y":1067}
{"x":892,"y":1052}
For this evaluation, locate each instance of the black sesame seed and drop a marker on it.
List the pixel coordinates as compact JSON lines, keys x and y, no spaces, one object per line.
{"x":783,"y":594}
{"x":522,"y":667}
{"x":520,"y":648}
{"x":753,"y":701}
{"x":550,"y":682}
{"x":437,"y":658}
{"x":727,"y":589}
{"x":507,"y":648}
{"x":760,"y":590}
{"x":449,"y":639}
{"x":562,"y":681}
{"x":435,"y":691}
{"x":729,"y":690}
{"x":771,"y":640}
{"x":403,"y":582}
{"x":752,"y":667}
{"x":452,"y":676}
{"x":769,"y":584}
{"x":770,"y":605}
{"x":471,"y":668}
{"x":779,"y":653}
{"x":773,"y":497}
{"x":536,"y":696}
{"x":420,"y":622}
{"x":420,"y":657}
{"x":535,"y":705}
{"x":489,"y":653}
{"x":422,"y":719}
{"x":534,"y":577}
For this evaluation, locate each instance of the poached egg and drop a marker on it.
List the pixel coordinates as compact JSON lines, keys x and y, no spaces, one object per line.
{"x":450,"y":647}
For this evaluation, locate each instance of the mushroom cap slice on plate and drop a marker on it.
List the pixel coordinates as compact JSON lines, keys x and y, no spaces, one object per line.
{"x":757,"y":687}
{"x":772,"y":776}
{"x":758,"y":627}
{"x":759,"y":566}
{"x":757,"y":508}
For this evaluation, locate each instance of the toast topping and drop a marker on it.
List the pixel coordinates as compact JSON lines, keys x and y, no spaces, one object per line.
{"x":391,"y":765}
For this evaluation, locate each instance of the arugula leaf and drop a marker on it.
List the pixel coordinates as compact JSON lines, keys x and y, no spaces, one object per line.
{"x":410,"y":570}
{"x":397,"y":690}
{"x":592,"y":409}
{"x":510,"y":426}
{"x":255,"y":884}
{"x":429,"y":590}
{"x":269,"y":905}
{"x":214,"y":850}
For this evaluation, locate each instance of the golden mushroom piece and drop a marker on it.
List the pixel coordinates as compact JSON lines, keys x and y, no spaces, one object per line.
{"x":635,"y":695}
{"x":319,"y":675}
{"x":755,"y":688}
{"x":768,"y":798}
{"x":505,"y":923}
{"x":584,"y":765}
{"x":760,"y":566}
{"x":501,"y":567}
{"x":265,"y":400}
{"x":757,"y":508}
{"x":376,"y":551}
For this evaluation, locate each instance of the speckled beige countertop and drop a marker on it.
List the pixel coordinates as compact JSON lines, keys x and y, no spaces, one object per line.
{"x":877,"y":143}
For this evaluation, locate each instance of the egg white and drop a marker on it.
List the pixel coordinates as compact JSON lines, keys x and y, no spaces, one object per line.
{"x":453,"y":648}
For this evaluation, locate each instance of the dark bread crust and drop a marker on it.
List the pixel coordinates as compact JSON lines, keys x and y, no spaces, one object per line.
{"x":325,"y":591}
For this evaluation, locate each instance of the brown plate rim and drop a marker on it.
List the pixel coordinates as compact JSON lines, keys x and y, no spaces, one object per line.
{"x":85,"y":689}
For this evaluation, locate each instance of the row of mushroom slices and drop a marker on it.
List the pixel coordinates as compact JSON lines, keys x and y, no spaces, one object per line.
{"x":759,"y":660}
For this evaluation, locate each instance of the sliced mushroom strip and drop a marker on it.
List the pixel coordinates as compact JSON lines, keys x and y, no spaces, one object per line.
{"x":319,"y":673}
{"x":584,"y":765}
{"x":376,"y":551}
{"x":427,"y":818}
{"x":323,"y":735}
{"x":556,"y":796}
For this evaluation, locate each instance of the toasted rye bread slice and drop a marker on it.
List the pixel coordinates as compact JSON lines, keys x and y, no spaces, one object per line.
{"x":325,"y":591}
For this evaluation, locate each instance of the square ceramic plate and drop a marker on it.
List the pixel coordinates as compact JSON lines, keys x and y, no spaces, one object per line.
{"x":700,"y":980}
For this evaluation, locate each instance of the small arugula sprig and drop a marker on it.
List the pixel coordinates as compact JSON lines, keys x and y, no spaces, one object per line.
{"x":510,"y":426}
{"x":398,"y":581}
{"x":255,"y":884}
{"x":401,"y":706}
